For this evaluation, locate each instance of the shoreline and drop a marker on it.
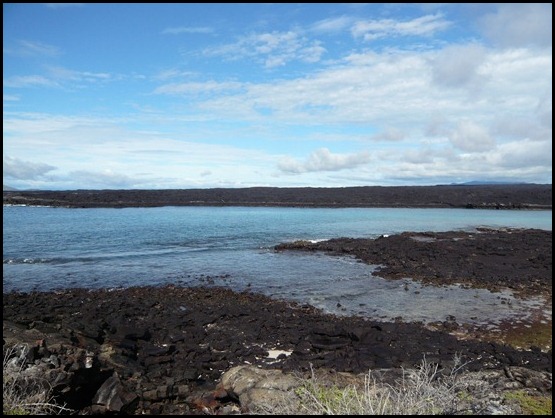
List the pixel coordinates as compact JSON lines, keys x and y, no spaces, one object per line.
{"x":519,"y":259}
{"x":514,"y":259}
{"x":503,"y":197}
{"x":164,"y":349}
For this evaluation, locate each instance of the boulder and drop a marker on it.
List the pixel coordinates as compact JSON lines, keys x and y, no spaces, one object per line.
{"x":259,"y":390}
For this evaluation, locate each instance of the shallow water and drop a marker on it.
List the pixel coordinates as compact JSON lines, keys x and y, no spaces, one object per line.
{"x":50,"y":248}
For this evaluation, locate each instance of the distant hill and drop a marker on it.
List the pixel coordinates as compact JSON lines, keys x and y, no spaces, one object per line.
{"x":491,"y":196}
{"x":8,"y":188}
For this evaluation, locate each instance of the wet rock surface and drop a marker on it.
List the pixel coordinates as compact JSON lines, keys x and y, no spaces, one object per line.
{"x":164,"y":350}
{"x":519,"y":259}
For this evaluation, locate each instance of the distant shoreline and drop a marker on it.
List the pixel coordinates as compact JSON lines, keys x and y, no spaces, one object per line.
{"x":511,"y":197}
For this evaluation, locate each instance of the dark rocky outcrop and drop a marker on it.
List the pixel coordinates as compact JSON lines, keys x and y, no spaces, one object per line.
{"x":520,"y":259}
{"x":163,"y":350}
{"x":506,"y":196}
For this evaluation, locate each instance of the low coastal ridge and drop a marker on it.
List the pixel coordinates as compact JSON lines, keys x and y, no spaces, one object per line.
{"x":506,"y":196}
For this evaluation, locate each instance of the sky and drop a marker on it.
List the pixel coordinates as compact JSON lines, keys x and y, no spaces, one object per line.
{"x":204,"y":95}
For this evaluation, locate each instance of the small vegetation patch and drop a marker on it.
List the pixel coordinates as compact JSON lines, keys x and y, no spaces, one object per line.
{"x":538,"y":334}
{"x":531,"y":404}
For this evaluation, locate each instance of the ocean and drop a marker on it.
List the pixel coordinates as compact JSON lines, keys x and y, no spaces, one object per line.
{"x":47,"y":248}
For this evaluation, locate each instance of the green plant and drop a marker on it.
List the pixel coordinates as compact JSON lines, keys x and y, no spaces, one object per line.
{"x":531,"y":404}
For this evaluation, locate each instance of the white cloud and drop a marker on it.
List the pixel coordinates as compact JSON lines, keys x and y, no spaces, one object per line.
{"x":10,"y":98}
{"x":350,"y":93}
{"x":14,"y":168}
{"x":188,"y":29}
{"x":396,"y":89}
{"x":368,"y":94}
{"x":173,"y":73}
{"x":451,"y":132}
{"x":545,"y":111}
{"x":534,"y":127}
{"x":520,"y":25}
{"x":524,"y":155}
{"x":428,"y":155}
{"x":370,"y":30}
{"x":114,"y":152}
{"x":33,"y":126}
{"x":528,"y":161}
{"x":198,"y":87}
{"x":323,"y":160}
{"x":458,"y":65}
{"x":272,"y":49}
{"x":57,"y":76}
{"x":22,"y":81}
{"x":334,"y":24}
{"x":102,"y":179}
{"x":471,"y":137}
{"x":423,"y":113}
{"x":390,"y":134}
{"x":65,"y":74}
{"x":25,"y":48}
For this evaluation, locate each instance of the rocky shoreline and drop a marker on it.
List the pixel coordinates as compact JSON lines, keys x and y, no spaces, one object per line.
{"x":166,"y":350}
{"x":518,"y":259}
{"x":503,"y":196}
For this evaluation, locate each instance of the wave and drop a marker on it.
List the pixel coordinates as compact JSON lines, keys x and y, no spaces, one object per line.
{"x":311,"y":240}
{"x":104,"y":257}
{"x":55,"y":260}
{"x":26,"y":260}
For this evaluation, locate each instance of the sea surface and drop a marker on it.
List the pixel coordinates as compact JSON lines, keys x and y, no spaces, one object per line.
{"x":47,"y":248}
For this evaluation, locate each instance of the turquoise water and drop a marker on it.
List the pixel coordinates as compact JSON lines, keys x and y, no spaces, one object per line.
{"x":50,"y":248}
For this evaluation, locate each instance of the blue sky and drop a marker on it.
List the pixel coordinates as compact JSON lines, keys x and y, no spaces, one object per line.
{"x":155,"y":96}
